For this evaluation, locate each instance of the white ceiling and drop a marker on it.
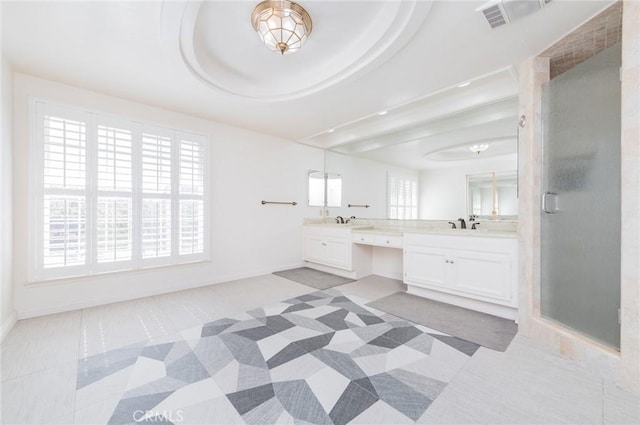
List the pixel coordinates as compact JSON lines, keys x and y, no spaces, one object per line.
{"x":406,"y":57}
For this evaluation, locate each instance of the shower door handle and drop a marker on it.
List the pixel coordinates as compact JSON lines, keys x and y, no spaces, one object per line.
{"x":546,"y":204}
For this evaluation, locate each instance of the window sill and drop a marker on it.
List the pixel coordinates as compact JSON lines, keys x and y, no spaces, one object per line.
{"x":110,"y":274}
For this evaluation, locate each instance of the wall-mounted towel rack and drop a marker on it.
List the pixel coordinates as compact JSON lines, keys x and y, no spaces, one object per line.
{"x":280,"y":203}
{"x":358,"y":206}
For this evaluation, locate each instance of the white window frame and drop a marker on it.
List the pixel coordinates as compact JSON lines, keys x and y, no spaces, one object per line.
{"x":37,"y":272}
{"x":402,"y":178}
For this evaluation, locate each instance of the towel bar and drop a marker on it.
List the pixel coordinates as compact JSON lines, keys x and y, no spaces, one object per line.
{"x":280,"y":203}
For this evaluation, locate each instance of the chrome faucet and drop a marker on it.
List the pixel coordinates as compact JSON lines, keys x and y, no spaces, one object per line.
{"x":473,"y":226}
{"x":463,"y":224}
{"x":339,"y":219}
{"x":349,"y":219}
{"x":453,"y":225}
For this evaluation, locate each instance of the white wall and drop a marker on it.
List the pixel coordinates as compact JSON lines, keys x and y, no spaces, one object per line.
{"x":247,"y":238}
{"x":387,"y":262}
{"x":443,"y":191}
{"x":364,"y":183}
{"x":7,"y":313}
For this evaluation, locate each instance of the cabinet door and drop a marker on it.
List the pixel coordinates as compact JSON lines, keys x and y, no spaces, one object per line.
{"x":483,"y":274}
{"x":425,"y":265}
{"x":338,"y":252}
{"x":315,"y":249}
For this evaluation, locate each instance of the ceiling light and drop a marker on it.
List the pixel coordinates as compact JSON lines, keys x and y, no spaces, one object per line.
{"x":283,"y":26}
{"x":479,"y":148}
{"x":465,"y":84}
{"x":331,"y":131}
{"x":382,"y":112}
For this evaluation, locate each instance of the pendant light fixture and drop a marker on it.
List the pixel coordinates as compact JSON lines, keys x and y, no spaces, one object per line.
{"x":283,"y":26}
{"x":479,"y":148}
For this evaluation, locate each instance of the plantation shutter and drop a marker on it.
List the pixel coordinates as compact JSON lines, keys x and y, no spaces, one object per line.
{"x":402,"y":197}
{"x":156,"y":195}
{"x":191,"y":195}
{"x":114,"y":212}
{"x":113,"y":194}
{"x":63,"y":214}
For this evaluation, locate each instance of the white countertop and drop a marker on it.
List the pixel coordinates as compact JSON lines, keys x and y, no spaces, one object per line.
{"x":356,"y":228}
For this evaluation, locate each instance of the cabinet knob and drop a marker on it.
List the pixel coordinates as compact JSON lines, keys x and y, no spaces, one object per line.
{"x":362,"y":239}
{"x":324,"y":244}
{"x":387,"y":241}
{"x":446,"y":261}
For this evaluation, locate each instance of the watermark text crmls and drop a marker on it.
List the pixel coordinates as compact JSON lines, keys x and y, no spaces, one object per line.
{"x":151,"y":416}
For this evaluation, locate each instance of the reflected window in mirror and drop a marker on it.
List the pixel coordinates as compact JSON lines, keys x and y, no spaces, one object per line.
{"x":402,"y":197}
{"x":325,"y":189}
{"x":493,"y":196}
{"x":316,"y":188}
{"x":334,"y":190}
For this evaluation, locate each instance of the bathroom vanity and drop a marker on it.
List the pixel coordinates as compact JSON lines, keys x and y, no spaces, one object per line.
{"x":472,"y":270}
{"x":475,"y":269}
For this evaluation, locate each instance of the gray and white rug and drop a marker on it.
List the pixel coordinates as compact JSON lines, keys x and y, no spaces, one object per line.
{"x":320,"y":358}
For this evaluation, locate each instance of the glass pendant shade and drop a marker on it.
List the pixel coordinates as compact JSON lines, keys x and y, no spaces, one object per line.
{"x":283,"y":26}
{"x":479,"y":148}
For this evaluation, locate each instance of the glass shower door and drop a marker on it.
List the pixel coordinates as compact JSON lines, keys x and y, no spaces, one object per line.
{"x":580,"y":218}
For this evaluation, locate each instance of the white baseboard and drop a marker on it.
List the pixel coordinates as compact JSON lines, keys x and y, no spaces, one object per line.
{"x":62,"y":308}
{"x":351,"y":274}
{"x":7,"y":325}
{"x":481,"y":306}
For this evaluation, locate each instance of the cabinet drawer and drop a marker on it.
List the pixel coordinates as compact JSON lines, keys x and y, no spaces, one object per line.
{"x":363,"y":238}
{"x":388,"y":240}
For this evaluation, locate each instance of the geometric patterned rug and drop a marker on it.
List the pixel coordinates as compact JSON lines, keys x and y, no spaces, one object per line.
{"x":320,"y":358}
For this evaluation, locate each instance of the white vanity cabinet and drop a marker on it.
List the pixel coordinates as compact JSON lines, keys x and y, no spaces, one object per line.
{"x":331,"y":247}
{"x":471,"y":271}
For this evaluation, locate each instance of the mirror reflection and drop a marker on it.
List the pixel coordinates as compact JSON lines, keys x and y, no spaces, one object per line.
{"x":334,"y":190}
{"x":413,"y":161}
{"x":325,"y":189}
{"x":316,"y":188}
{"x":493,"y":196}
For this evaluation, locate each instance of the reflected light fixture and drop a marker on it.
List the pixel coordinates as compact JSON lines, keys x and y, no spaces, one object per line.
{"x":479,"y":148}
{"x":283,"y":26}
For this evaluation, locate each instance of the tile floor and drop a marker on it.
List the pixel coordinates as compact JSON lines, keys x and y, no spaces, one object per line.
{"x":81,"y":367}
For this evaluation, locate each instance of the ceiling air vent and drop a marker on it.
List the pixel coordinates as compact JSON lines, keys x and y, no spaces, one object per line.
{"x":500,"y":12}
{"x":494,"y":16}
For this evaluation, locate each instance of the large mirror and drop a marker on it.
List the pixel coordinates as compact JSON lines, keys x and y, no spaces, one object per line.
{"x":414,"y":161}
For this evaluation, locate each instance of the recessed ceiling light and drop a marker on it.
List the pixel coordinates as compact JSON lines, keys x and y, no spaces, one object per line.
{"x":465,"y":84}
{"x":331,"y":131}
{"x":382,"y":112}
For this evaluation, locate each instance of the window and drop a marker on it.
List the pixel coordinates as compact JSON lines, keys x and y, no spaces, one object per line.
{"x":402,"y":194}
{"x":113,"y":194}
